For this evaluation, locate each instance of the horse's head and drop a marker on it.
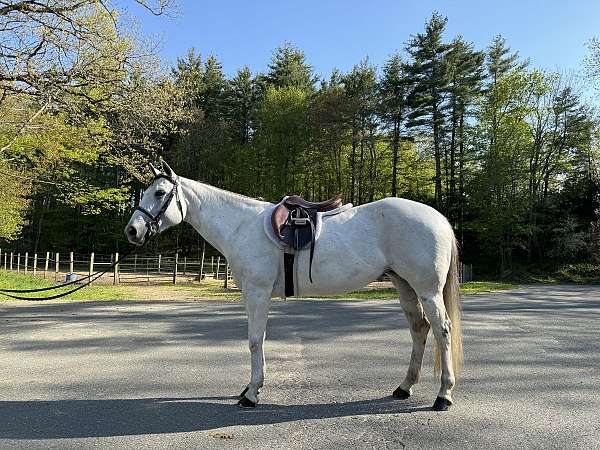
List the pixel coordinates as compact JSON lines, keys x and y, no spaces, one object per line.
{"x":161,"y":207}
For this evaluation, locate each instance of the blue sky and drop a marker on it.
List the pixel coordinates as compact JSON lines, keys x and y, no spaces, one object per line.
{"x":338,"y":34}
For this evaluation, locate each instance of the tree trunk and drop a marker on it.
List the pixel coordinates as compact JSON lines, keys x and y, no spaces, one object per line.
{"x":395,"y":148}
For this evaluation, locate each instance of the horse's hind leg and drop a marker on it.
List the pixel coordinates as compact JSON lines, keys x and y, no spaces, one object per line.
{"x":419,"y":328}
{"x":442,"y":327}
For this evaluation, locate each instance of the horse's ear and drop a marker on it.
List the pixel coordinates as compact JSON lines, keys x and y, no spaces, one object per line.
{"x":168,"y":169}
{"x":155,"y":171}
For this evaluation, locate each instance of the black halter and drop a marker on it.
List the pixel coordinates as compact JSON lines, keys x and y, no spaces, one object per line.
{"x":153,"y":225}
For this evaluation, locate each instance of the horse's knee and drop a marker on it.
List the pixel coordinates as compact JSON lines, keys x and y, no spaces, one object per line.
{"x":254,"y":344}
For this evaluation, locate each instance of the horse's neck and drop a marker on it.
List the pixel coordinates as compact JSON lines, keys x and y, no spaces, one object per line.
{"x":216,"y":214}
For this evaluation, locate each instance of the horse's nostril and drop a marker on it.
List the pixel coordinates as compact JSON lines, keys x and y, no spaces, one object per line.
{"x":131,"y":231}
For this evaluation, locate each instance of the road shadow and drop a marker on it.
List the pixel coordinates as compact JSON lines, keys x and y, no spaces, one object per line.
{"x":58,"y":419}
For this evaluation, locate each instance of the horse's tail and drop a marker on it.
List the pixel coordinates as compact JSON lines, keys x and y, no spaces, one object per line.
{"x":452,"y":304}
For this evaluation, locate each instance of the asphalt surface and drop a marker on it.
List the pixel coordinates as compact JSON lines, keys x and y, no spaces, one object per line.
{"x":163,"y":375}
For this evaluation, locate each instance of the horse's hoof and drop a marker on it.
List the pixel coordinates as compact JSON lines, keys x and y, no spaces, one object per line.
{"x":245,"y":403}
{"x":243,"y":392}
{"x":441,"y":404}
{"x":401,"y":394}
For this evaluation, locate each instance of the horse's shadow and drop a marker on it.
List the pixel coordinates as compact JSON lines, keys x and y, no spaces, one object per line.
{"x":38,"y":419}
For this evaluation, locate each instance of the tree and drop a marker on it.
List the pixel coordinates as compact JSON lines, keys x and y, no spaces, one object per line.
{"x":55,"y":50}
{"x":393,"y":92}
{"x":361,"y":88}
{"x":465,"y":83}
{"x":429,"y":94}
{"x":288,"y":68}
{"x":244,"y":99}
{"x":282,"y":139}
{"x":330,"y":134}
{"x":14,"y":201}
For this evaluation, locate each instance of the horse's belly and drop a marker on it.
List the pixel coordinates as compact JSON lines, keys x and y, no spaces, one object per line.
{"x":343,"y":261}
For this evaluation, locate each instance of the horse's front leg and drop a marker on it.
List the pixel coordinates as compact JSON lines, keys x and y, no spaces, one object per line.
{"x":257,"y":302}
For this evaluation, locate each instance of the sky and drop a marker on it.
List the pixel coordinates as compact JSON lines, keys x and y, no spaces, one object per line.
{"x":338,"y":34}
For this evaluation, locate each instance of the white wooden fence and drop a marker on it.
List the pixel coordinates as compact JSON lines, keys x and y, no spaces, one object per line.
{"x":134,"y":269}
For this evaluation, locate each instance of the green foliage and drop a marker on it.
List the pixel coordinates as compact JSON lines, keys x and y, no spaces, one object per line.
{"x":13,"y":203}
{"x":584,"y":273}
{"x":288,"y":68}
{"x":283,"y":136}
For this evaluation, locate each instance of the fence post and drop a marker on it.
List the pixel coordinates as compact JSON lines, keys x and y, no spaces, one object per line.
{"x":35,"y":263}
{"x":226,"y":273}
{"x":26,"y":261}
{"x":19,"y":262}
{"x":175,"y":268}
{"x":4,"y":260}
{"x":91,"y":270}
{"x":116,"y":269}
{"x":56,"y":266}
{"x":201,"y":260}
{"x":212,"y":266}
{"x":46,"y":263}
{"x":184,"y":264}
{"x":71,"y":262}
{"x":159,"y":259}
{"x":218,"y":267}
{"x":11,"y":261}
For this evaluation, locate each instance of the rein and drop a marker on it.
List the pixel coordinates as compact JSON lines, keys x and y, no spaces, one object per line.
{"x":152,"y":228}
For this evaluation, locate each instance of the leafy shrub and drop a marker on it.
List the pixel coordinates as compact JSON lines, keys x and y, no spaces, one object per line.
{"x":580,"y":273}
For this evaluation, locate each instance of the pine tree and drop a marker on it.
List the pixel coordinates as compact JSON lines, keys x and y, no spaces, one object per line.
{"x":466,"y":75}
{"x":289,"y":68}
{"x":428,"y":96}
{"x":393,"y":92}
{"x":243,"y":104}
{"x":500,"y":60}
{"x":188,"y":75}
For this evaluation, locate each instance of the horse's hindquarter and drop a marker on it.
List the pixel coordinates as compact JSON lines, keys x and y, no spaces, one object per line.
{"x":357,"y":246}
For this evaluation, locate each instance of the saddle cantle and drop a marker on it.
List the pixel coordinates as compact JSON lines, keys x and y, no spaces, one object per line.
{"x":293,"y":221}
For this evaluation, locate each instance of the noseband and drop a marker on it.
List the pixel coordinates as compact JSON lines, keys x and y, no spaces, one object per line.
{"x":153,"y":225}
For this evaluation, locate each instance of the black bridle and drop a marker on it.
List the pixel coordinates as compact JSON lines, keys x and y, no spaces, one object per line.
{"x":152,"y":228}
{"x":153,"y":225}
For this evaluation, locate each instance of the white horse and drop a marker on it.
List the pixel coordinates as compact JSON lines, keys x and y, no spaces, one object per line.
{"x":411,"y":242}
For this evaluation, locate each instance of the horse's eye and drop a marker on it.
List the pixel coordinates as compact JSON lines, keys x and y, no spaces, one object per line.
{"x":159,"y":193}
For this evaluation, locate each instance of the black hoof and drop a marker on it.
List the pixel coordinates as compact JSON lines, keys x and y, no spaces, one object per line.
{"x":401,"y":394}
{"x":245,"y":403}
{"x":243,"y":392}
{"x":441,"y":404}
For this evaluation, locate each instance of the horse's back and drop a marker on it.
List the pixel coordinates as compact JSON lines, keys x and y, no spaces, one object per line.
{"x":358,"y":245}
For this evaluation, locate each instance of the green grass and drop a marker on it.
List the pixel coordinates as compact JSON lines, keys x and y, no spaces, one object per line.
{"x":482,"y":287}
{"x":473,"y":287}
{"x":207,"y":290}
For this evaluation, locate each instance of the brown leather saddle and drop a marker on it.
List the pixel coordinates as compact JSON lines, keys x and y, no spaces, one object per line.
{"x":294,"y":222}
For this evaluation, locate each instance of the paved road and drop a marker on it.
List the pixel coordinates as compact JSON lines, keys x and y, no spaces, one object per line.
{"x":161,"y":374}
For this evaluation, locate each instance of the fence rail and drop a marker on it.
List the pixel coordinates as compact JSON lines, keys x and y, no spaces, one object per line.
{"x":136,"y":268}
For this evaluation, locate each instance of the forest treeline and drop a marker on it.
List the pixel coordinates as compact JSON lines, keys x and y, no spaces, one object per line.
{"x":509,"y":153}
